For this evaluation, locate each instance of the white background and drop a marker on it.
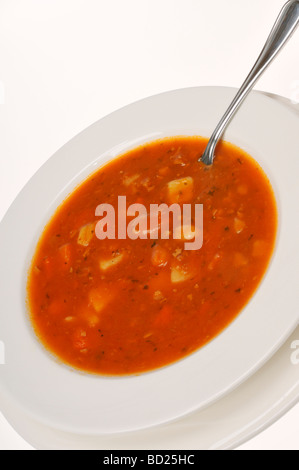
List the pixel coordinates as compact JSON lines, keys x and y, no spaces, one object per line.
{"x":66,"y":63}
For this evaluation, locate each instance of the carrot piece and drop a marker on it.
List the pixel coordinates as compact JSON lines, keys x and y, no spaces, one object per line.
{"x":57,"y":307}
{"x":242,"y":189}
{"x":240,"y":260}
{"x":164,"y":171}
{"x":160,"y":256}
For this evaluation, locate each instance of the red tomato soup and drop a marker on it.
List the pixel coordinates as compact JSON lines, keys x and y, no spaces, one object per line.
{"x":117,"y":307}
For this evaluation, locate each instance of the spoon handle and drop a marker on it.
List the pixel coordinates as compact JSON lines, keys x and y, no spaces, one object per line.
{"x":282,"y":30}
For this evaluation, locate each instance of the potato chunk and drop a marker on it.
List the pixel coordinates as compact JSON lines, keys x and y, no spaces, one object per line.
{"x":240,"y":260}
{"x":109,"y":263}
{"x":99,"y":298}
{"x":180,"y":190}
{"x":86,"y":234}
{"x":92,"y":320}
{"x":186,"y":233}
{"x":242,"y":189}
{"x":259,"y":248}
{"x":239,"y":225}
{"x":128,"y":180}
{"x":180,"y":274}
{"x":65,"y":252}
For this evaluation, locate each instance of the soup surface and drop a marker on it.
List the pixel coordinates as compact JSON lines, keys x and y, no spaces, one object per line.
{"x":123,"y":306}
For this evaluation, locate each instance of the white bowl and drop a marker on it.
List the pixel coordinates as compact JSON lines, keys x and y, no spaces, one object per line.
{"x":66,"y":399}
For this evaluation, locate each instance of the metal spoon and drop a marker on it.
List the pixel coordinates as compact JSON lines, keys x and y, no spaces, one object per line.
{"x":282,"y":30}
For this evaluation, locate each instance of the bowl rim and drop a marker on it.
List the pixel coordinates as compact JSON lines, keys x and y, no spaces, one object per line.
{"x":183,"y":402}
